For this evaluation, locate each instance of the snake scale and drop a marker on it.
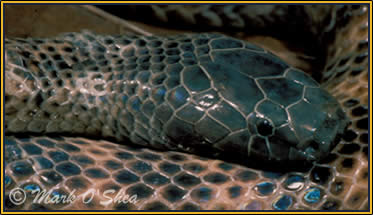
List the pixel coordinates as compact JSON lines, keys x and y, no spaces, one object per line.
{"x":213,"y":96}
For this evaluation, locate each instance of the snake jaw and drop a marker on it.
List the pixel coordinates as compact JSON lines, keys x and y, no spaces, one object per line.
{"x":296,"y":154}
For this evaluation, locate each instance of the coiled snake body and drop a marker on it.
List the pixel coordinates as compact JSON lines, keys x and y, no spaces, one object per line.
{"x":200,"y":93}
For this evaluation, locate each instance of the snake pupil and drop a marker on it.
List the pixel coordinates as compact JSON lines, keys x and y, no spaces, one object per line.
{"x":265,"y":128}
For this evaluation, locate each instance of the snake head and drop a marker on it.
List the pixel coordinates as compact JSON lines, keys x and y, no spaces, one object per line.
{"x":304,"y":131}
{"x":305,"y":125}
{"x":288,"y":115}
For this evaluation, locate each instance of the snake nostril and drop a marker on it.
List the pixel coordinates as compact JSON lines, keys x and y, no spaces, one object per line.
{"x":312,"y":149}
{"x":314,"y":145}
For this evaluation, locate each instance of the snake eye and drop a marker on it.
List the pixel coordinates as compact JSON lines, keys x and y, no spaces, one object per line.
{"x":264,"y":127}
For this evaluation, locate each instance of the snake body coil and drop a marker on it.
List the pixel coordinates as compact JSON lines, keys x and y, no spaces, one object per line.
{"x":187,"y":92}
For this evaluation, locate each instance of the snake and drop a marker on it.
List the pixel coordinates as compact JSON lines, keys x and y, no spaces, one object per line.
{"x":195,"y":121}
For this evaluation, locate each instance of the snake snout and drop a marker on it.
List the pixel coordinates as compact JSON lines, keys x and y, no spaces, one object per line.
{"x":321,"y":131}
{"x":312,"y":131}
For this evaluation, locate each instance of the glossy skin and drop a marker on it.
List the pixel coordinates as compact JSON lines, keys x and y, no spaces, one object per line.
{"x":338,"y":182}
{"x":202,"y":92}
